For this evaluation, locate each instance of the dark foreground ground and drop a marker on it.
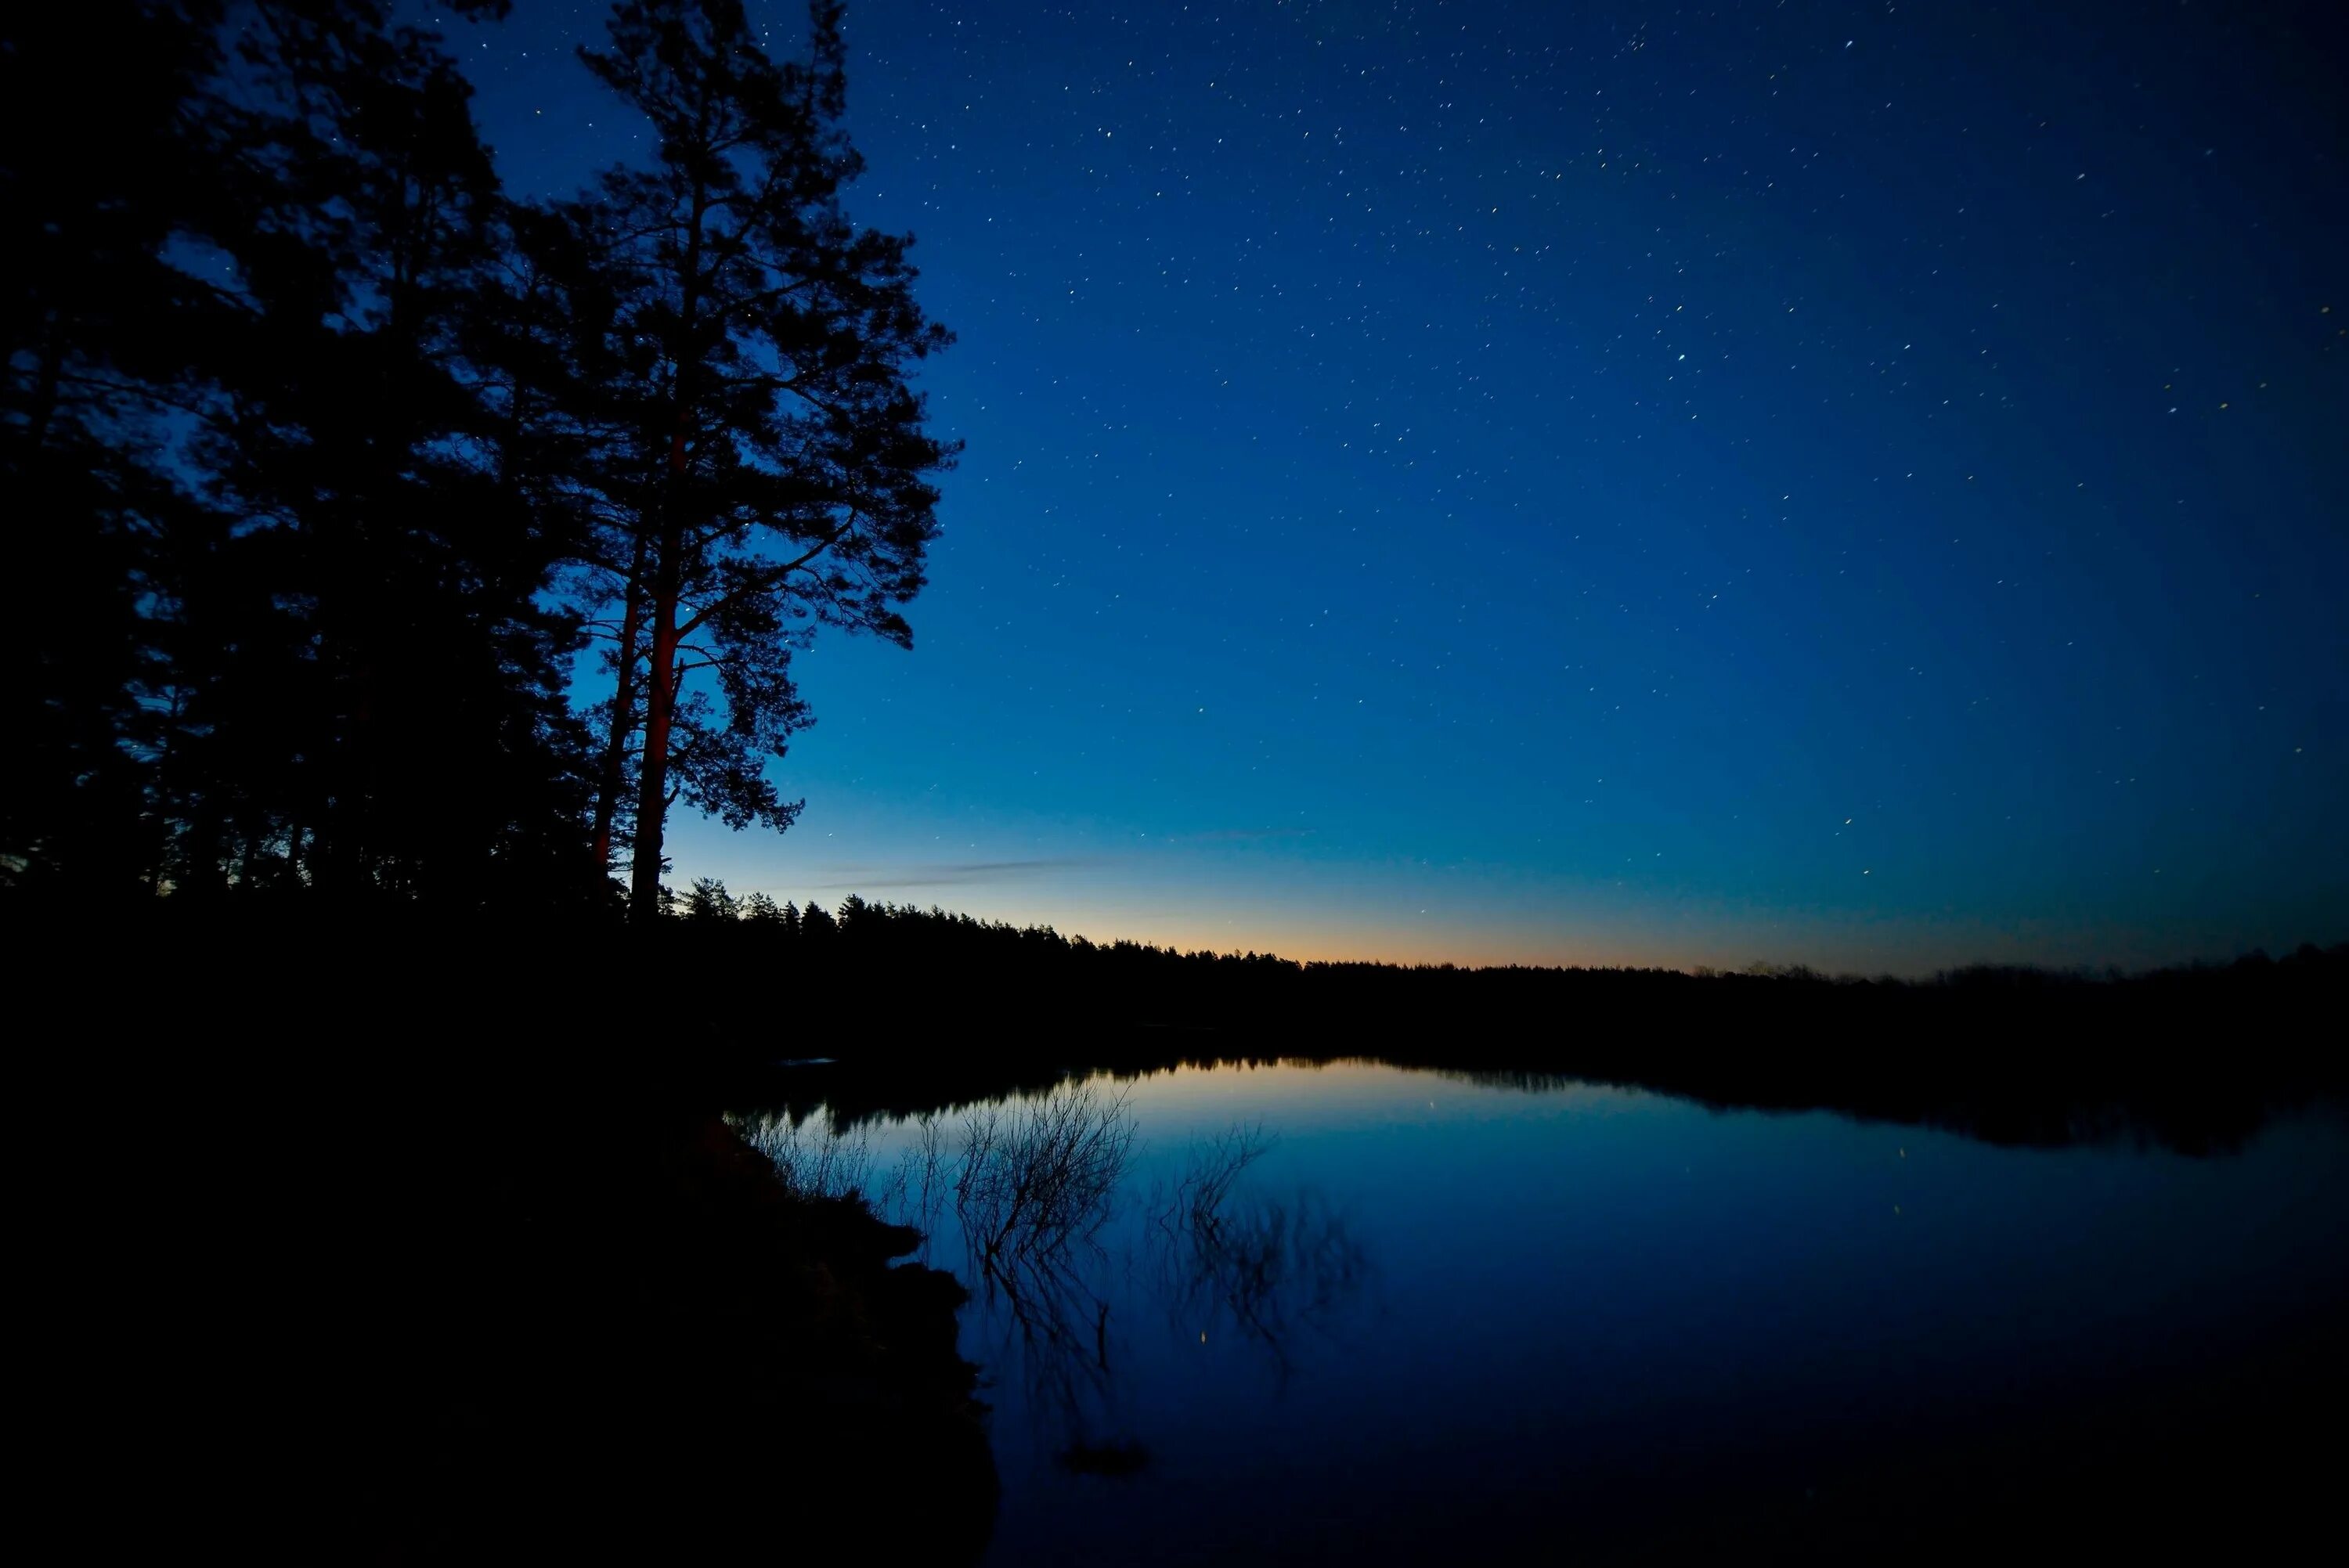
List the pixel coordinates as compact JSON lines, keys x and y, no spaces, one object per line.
{"x":410,"y":1314}
{"x":422,"y":1248}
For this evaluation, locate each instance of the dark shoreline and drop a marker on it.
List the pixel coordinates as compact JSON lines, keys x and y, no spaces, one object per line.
{"x":438,"y":1308}
{"x":466,"y":1264}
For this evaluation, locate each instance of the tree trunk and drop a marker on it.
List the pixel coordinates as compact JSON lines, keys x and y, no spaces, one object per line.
{"x":652,"y":773}
{"x":668,"y":578}
{"x":624,"y":712}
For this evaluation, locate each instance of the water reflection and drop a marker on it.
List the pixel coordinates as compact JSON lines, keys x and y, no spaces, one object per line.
{"x":1032,"y":1189}
{"x":1025,"y":1200}
{"x":1262,"y":1267}
{"x":1348,"y":1311}
{"x":2012,"y":1092}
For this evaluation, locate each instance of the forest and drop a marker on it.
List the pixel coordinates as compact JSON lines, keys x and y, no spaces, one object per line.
{"x":402,"y":545}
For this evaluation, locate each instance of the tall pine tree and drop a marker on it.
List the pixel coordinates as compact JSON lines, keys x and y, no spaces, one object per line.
{"x":777,"y":472}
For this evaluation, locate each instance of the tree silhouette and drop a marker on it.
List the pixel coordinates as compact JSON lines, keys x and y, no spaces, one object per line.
{"x":315,"y":429}
{"x":267,"y":365}
{"x":378,"y":477}
{"x":551,"y":359}
{"x":776,"y":475}
{"x":97,"y":330}
{"x":711,"y":901}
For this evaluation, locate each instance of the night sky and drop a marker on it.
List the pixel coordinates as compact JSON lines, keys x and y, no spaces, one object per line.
{"x":1864,"y":485}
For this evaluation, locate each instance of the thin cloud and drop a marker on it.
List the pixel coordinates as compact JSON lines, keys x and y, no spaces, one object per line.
{"x":951,"y":873}
{"x":1238,"y":835}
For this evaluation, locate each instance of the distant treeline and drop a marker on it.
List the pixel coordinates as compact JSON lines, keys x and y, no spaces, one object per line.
{"x":867,"y":976}
{"x":1144,"y":983}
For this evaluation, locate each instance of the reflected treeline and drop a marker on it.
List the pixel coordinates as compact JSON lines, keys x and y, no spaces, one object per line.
{"x":2158,"y":1089}
{"x":2047,"y":1110}
{"x":1031,"y":1201}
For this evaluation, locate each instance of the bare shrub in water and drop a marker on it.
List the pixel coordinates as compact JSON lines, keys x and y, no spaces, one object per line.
{"x":1038,"y":1177}
{"x":1033,"y":1183}
{"x":811,"y":1162}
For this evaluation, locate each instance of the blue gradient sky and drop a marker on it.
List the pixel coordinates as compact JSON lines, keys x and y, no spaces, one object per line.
{"x":1855,"y":484}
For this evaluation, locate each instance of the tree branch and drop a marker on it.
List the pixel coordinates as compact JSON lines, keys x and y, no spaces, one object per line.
{"x":772,"y":576}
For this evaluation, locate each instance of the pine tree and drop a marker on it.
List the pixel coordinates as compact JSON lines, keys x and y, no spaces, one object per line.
{"x":777,"y":476}
{"x":567,"y":376}
{"x":368,"y":692}
{"x":711,"y":901}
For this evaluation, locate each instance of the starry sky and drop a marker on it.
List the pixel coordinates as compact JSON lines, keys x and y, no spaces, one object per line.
{"x":1856,"y":484}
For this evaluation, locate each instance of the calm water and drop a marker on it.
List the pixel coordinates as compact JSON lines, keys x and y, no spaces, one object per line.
{"x":1356,"y":1308}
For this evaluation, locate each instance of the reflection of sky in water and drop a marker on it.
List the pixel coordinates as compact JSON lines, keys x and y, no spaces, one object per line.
{"x":1568,"y":1294}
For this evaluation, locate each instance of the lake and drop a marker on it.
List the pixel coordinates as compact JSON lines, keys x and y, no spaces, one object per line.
{"x":1350,"y":1311}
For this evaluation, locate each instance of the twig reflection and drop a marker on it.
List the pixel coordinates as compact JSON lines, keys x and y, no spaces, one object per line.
{"x":1034,"y":1186}
{"x":1261,"y":1266}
